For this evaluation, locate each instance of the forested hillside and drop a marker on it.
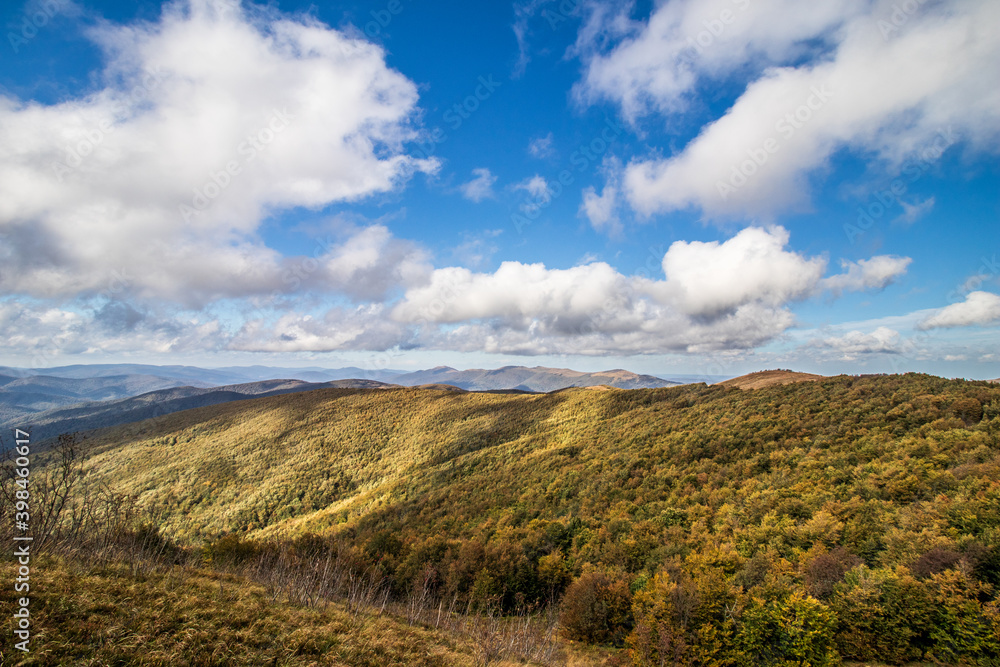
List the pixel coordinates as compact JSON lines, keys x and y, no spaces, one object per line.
{"x":842,"y":518}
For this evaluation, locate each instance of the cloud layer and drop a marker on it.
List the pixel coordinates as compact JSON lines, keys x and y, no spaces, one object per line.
{"x":714,"y":296}
{"x":885,"y":83}
{"x":205,"y":123}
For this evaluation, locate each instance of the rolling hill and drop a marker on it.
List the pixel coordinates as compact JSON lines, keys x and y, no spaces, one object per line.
{"x":827,"y":503}
{"x":87,"y":416}
{"x":77,"y":398}
{"x":43,"y":392}
{"x":769,"y":379}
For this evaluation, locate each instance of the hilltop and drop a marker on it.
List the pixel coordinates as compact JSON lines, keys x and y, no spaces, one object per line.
{"x":768,"y":379}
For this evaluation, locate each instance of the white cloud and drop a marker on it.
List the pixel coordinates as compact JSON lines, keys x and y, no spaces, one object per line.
{"x":480,"y":187}
{"x":705,"y":279}
{"x":362,"y":328}
{"x":979,"y":308}
{"x":913,"y":212}
{"x":889,"y":97}
{"x":539,"y":193}
{"x":542,"y":147}
{"x":367,"y":265}
{"x":867,"y":274}
{"x":205,"y":123}
{"x":602,"y":210}
{"x":536,"y":186}
{"x":714,"y":296}
{"x":854,"y":344}
{"x":41,"y":335}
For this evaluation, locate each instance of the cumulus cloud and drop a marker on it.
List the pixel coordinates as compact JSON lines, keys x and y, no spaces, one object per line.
{"x":855,"y":344}
{"x":867,"y":274}
{"x":536,"y":187}
{"x":367,"y":265}
{"x":40,"y":335}
{"x":705,"y":279}
{"x":203,"y":124}
{"x":480,"y":187}
{"x":362,"y":328}
{"x":979,"y":308}
{"x":602,"y":209}
{"x":713,"y":296}
{"x":848,"y":75}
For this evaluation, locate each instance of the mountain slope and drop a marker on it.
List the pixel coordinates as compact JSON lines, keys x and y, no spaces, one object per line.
{"x":84,"y":417}
{"x":826,"y":502}
{"x":324,"y":456}
{"x":44,"y":392}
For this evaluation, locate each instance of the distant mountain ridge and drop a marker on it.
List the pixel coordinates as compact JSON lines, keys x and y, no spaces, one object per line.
{"x":83,"y":397}
{"x":88,"y":416}
{"x":538,"y":379}
{"x":26,"y":394}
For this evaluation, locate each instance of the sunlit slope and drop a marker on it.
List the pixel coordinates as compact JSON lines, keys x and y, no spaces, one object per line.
{"x":323,"y":455}
{"x":714,"y":459}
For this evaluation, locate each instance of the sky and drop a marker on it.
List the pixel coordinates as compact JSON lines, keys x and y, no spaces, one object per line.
{"x":684,"y":187}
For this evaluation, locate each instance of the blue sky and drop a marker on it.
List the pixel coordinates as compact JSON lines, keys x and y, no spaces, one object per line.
{"x":710,"y":186}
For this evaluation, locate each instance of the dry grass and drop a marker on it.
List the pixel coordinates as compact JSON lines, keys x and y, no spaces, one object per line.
{"x":762,"y":379}
{"x":103,"y":615}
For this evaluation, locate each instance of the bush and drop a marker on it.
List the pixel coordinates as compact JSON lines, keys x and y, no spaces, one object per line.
{"x":664,"y":613}
{"x":798,"y":630}
{"x":883,"y":616}
{"x":597,"y":608}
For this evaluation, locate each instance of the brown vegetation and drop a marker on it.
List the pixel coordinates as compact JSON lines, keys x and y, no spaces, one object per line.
{"x":762,"y":379}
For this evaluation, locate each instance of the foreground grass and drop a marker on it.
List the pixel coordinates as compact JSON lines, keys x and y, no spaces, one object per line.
{"x":107,"y":615}
{"x":111,"y":614}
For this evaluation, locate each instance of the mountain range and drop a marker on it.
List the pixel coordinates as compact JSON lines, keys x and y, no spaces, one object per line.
{"x":83,"y":397}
